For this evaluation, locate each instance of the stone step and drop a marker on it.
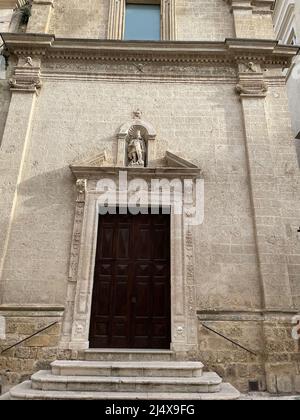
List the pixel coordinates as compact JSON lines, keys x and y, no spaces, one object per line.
{"x":116,"y":355}
{"x":129,"y":369}
{"x":25,"y":392}
{"x":44,"y":380}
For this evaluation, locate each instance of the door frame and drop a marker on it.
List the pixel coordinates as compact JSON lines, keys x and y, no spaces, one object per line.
{"x":76,"y":324}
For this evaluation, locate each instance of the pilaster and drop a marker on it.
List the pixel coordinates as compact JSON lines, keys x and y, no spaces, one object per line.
{"x":244,"y":12}
{"x":269,"y":230}
{"x":116,"y":19}
{"x":24,"y":85}
{"x":40,"y":16}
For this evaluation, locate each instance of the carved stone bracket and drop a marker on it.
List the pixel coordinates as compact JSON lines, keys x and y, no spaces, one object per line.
{"x":26,"y":77}
{"x":251,"y":81}
{"x":81,"y":185}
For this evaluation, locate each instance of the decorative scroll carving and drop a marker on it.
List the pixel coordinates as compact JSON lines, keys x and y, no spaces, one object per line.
{"x":248,"y":88}
{"x":81,"y":186}
{"x":251,"y":80}
{"x":26,"y":77}
{"x":190,"y":288}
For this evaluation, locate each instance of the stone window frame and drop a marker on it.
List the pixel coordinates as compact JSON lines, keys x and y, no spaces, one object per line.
{"x":116,"y":25}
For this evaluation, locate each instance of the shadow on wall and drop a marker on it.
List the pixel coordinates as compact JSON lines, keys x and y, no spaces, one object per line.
{"x":40,"y":239}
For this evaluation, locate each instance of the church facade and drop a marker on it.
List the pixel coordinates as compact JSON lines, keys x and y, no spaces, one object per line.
{"x":91,"y":122}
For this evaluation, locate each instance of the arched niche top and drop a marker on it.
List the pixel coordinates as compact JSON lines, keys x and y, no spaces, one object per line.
{"x":136,"y":145}
{"x":137,"y":123}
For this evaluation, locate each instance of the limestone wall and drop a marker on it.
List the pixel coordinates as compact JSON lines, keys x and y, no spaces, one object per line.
{"x":287,"y":172}
{"x":200,"y":122}
{"x":80,"y":19}
{"x":18,"y":364}
{"x":274,"y":358}
{"x":203,"y":20}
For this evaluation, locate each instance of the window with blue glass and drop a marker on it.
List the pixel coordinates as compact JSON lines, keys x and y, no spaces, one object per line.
{"x":142,"y":22}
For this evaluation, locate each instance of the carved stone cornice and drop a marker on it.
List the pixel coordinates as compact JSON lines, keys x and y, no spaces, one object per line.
{"x":231,"y":51}
{"x":26,"y":76}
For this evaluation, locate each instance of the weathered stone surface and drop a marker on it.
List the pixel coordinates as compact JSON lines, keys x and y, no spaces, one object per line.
{"x":244,"y":276}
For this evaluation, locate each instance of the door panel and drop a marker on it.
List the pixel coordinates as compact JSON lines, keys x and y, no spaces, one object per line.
{"x":131,"y":296}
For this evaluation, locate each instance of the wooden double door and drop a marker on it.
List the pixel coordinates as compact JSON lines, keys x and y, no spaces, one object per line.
{"x":131,"y":296}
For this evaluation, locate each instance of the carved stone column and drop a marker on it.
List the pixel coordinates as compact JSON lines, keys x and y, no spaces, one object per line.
{"x":39,"y":21}
{"x":13,"y":149}
{"x":269,"y":229}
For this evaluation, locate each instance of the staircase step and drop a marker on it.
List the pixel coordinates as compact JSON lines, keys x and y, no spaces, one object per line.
{"x":45,"y":380}
{"x":129,"y":369}
{"x":127,"y":355}
{"x":25,"y":392}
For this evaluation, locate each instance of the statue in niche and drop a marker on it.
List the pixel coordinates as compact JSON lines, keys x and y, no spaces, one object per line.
{"x":136,"y":150}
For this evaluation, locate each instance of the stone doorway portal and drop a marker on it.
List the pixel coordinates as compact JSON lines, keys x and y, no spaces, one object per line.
{"x":131,"y":293}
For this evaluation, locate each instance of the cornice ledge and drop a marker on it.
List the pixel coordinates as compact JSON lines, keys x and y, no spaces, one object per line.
{"x":171,"y":51}
{"x":250,"y":4}
{"x":80,"y":172}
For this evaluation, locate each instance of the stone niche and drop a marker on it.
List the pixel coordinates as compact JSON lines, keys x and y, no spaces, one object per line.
{"x":136,"y":142}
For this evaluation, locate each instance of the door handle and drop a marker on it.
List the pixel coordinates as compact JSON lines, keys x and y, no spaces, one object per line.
{"x":133,"y":300}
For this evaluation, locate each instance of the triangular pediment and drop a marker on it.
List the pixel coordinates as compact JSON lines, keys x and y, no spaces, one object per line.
{"x":170,"y":165}
{"x":95,"y":161}
{"x":175,"y":161}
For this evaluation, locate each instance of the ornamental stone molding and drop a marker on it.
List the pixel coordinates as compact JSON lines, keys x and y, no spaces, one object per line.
{"x":251,"y":81}
{"x":75,"y":329}
{"x":257,"y":6}
{"x":137,"y":127}
{"x":230,"y":52}
{"x":116,"y":24}
{"x":26,"y":76}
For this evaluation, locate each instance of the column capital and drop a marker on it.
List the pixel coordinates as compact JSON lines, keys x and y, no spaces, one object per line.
{"x":250,"y":4}
{"x":26,"y":77}
{"x":240,"y":4}
{"x":251,"y":81}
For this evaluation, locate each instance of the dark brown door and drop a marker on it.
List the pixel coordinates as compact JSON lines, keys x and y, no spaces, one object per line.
{"x":131,"y":297}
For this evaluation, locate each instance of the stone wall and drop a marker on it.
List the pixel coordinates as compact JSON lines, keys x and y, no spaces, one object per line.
{"x":80,"y":19}
{"x":196,"y":19}
{"x":274,"y":366}
{"x":203,"y":20}
{"x":83,"y":121}
{"x":18,"y":364}
{"x":287,"y":174}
